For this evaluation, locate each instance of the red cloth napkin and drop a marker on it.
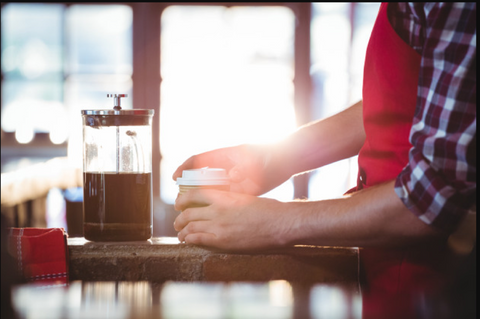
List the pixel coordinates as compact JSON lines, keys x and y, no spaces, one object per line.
{"x":41,"y":254}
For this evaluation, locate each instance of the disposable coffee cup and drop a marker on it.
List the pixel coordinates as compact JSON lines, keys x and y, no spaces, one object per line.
{"x":203,"y":178}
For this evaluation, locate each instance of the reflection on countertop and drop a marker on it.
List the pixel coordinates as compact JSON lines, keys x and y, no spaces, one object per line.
{"x":277,"y":299}
{"x":273,"y":299}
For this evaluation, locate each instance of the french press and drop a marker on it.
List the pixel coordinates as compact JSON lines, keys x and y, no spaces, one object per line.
{"x":117,"y":173}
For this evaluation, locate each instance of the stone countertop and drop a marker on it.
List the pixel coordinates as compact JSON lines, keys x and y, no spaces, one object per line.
{"x":166,"y":259}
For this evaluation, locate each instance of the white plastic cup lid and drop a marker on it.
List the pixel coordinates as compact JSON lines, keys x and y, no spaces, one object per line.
{"x":204,"y":176}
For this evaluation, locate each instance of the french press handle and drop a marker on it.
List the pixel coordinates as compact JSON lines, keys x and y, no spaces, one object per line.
{"x":116,"y":100}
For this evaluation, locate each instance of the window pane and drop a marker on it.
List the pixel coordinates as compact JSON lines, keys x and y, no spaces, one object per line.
{"x":330,"y":51}
{"x":338,"y":53}
{"x":31,"y":104}
{"x":100,"y":39}
{"x":365,"y":15}
{"x":32,"y":40}
{"x":90,"y":92}
{"x":32,"y":70}
{"x":99,"y":62}
{"x":225,"y":73}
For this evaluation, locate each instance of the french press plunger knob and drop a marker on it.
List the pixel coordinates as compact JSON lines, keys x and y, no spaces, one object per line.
{"x":116,"y":100}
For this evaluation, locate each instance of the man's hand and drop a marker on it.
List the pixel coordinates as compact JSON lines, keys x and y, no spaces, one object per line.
{"x":230,"y":220}
{"x":249,"y":167}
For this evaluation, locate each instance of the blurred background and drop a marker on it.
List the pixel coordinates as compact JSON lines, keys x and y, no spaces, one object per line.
{"x":216,"y":74}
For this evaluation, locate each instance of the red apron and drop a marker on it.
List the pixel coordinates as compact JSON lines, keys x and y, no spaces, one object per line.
{"x":389,"y":100}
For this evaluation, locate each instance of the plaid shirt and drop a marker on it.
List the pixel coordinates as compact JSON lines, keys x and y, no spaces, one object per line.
{"x":439,"y":182}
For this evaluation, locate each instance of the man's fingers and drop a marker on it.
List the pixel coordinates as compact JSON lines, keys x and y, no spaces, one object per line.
{"x":194,"y":227}
{"x":190,"y":199}
{"x":202,"y":239}
{"x":196,"y":198}
{"x":190,"y":215}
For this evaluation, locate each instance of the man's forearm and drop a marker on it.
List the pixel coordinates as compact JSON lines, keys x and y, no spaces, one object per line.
{"x":371,"y":217}
{"x":322,"y":142}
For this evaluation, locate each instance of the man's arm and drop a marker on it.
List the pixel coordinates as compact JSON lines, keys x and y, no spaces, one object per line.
{"x":232,"y":221}
{"x":321,"y":142}
{"x":371,"y":217}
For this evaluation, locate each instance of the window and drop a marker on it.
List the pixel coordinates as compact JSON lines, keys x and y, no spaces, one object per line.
{"x":32,"y":71}
{"x":227,"y":79}
{"x":56,"y":60}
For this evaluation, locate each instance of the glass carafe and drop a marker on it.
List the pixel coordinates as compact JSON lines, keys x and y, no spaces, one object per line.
{"x":117,"y":173}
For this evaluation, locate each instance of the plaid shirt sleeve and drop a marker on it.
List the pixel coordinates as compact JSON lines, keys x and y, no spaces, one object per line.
{"x":439,"y":182}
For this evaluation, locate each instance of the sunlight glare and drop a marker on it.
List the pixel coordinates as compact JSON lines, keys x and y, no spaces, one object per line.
{"x":332,"y":302}
{"x":34,"y":59}
{"x":24,"y":134}
{"x":281,"y":293}
{"x":58,"y":134}
{"x":227,"y":80}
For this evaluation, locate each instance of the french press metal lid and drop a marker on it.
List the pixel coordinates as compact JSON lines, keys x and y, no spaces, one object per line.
{"x":117,"y":116}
